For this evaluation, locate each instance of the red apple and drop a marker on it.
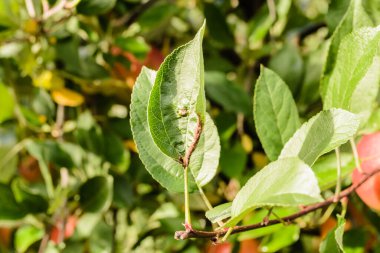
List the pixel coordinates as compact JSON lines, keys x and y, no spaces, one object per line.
{"x":70,"y":225}
{"x":249,"y":246}
{"x":225,"y":247}
{"x":369,"y":154}
{"x":246,"y":246}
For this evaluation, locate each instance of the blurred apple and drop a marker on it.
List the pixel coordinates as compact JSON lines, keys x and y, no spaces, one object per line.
{"x":55,"y":234}
{"x":246,"y":246}
{"x":5,"y":236}
{"x":369,"y":154}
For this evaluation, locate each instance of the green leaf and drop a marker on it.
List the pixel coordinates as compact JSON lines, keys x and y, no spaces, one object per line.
{"x":322,"y":133}
{"x":165,"y":170}
{"x":177,"y":99}
{"x":233,"y":160}
{"x":275,"y":112}
{"x":6,"y":104}
{"x":325,"y":169}
{"x":96,"y":194}
{"x":9,"y":208}
{"x":115,"y":152}
{"x":101,"y":239}
{"x":227,"y":94}
{"x":8,"y":156}
{"x":162,"y":168}
{"x":280,"y":239}
{"x":219,"y":213}
{"x":95,"y":7}
{"x":285,"y":182}
{"x":217,"y":26}
{"x":259,"y":215}
{"x":205,"y":158}
{"x":354,"y":18}
{"x":356,"y":54}
{"x":27,"y":235}
{"x":28,"y":198}
{"x":333,"y":243}
{"x":288,"y":64}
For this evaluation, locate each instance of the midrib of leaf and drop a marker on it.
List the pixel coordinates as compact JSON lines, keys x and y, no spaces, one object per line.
{"x":188,"y":118}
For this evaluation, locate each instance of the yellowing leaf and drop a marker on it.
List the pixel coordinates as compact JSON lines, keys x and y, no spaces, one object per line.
{"x":48,"y":80}
{"x":67,"y":97}
{"x":31,"y":26}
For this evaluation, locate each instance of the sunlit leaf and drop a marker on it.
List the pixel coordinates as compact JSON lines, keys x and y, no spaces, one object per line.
{"x":356,"y":55}
{"x":267,"y":188}
{"x":275,"y":112}
{"x":321,"y":134}
{"x":177,"y":100}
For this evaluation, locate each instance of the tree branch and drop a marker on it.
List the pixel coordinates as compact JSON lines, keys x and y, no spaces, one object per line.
{"x":131,"y":17}
{"x":214,"y":235}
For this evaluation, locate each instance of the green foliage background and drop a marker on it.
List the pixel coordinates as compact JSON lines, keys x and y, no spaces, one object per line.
{"x":67,"y":70}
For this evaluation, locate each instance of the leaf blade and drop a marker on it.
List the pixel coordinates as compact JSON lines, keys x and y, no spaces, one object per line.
{"x":321,"y":134}
{"x":268,"y":188}
{"x":275,"y":112}
{"x":177,"y":99}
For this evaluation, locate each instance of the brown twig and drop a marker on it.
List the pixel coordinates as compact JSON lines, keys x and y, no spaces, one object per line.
{"x":213,"y":235}
{"x":193,"y":145}
{"x":131,"y":17}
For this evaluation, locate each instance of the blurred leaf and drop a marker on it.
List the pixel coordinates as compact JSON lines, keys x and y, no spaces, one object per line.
{"x":95,"y":7}
{"x":280,"y":239}
{"x":31,"y":201}
{"x":77,"y":60}
{"x":9,"y":208}
{"x":233,"y":160}
{"x":42,"y":104}
{"x":8,"y":148}
{"x":48,"y":80}
{"x":322,"y":133}
{"x":217,"y":26}
{"x":89,"y":134}
{"x":7,"y":104}
{"x":268,"y":188}
{"x":136,"y":46}
{"x":325,"y":169}
{"x":355,"y":57}
{"x":231,"y":96}
{"x":372,"y":7}
{"x":275,"y":112}
{"x":115,"y":152}
{"x":96,"y":194}
{"x":123,"y":195}
{"x":101,"y":239}
{"x":288,"y":64}
{"x":67,"y":97}
{"x":354,"y":18}
{"x":219,"y":212}
{"x":337,"y":10}
{"x":86,"y":224}
{"x":156,"y":15}
{"x":27,"y":235}
{"x":259,"y":27}
{"x":11,"y":49}
{"x":173,"y":112}
{"x":259,"y":215}
{"x":309,"y":92}
{"x":334,"y":240}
